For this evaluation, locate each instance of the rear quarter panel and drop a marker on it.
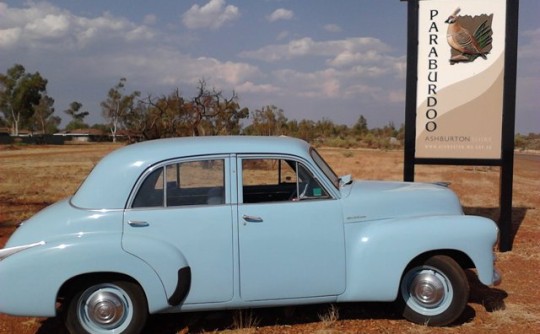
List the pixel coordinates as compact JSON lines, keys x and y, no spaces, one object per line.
{"x":30,"y":280}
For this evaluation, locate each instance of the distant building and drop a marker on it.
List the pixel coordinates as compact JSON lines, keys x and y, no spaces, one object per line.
{"x":84,"y":135}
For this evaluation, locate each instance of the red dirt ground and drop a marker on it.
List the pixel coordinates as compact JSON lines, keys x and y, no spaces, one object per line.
{"x":34,"y":177}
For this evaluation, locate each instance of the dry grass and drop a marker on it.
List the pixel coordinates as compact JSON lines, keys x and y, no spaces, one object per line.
{"x":330,"y":317}
{"x":34,"y":177}
{"x":245,"y":320}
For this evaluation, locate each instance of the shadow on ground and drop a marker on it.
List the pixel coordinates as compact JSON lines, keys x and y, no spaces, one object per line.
{"x":518,"y":216}
{"x":491,"y":299}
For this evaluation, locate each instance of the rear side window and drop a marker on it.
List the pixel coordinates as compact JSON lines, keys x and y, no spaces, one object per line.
{"x":151,"y":192}
{"x":198,"y":182}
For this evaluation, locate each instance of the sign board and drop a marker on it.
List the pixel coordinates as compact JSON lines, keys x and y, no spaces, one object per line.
{"x":461,"y":90}
{"x":461,"y":61}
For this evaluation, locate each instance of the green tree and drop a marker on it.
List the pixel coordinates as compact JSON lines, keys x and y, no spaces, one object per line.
{"x":306,"y":130}
{"x":360,"y":128}
{"x":117,"y":106}
{"x":325,"y":129}
{"x":292,"y":128}
{"x":137,"y":120}
{"x":170,"y":116}
{"x":77,"y":117}
{"x":19,"y":93}
{"x":268,"y":121}
{"x":42,"y":118}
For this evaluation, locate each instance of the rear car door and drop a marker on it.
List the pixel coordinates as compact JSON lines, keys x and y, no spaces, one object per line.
{"x":186,"y":204}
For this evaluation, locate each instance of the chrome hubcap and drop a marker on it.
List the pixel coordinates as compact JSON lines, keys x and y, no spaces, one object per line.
{"x":104,"y":308}
{"x":427,"y":289}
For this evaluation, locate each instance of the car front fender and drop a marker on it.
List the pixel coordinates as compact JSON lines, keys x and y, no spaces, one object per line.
{"x":31,"y":279}
{"x":378,"y":252}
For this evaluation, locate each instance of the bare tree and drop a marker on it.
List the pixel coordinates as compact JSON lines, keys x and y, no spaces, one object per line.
{"x":214,"y":114}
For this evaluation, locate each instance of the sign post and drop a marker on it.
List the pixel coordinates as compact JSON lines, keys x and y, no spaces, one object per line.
{"x":461,"y":82}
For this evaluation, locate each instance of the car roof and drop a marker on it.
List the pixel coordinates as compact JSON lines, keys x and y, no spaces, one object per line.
{"x":110,"y":182}
{"x":190,"y":146}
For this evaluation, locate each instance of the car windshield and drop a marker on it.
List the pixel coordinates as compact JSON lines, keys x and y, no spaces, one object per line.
{"x":327,"y":170}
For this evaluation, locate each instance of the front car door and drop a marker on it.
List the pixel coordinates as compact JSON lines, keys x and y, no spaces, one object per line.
{"x":291,"y":238}
{"x":186,"y":204}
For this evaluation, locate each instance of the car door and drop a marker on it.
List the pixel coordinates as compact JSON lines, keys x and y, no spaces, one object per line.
{"x":186,"y":204}
{"x":291,"y":238}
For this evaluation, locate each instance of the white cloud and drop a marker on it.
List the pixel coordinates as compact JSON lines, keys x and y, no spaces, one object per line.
{"x":75,"y":51}
{"x":282,"y":35}
{"x":250,"y":87}
{"x":82,"y":56}
{"x":52,"y":25}
{"x":150,"y":19}
{"x":355,"y":67}
{"x":350,"y":49}
{"x":280,"y":14}
{"x":227,"y":73}
{"x":42,"y":25}
{"x":9,"y":37}
{"x":332,"y":28}
{"x":396,"y":96}
{"x":213,"y":15}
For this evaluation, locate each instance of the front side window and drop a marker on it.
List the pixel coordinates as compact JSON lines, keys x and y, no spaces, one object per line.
{"x":276,"y":180}
{"x":327,"y":170}
{"x":198,"y":182}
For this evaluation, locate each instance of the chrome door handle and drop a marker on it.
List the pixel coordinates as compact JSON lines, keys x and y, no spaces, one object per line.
{"x":252,"y":219}
{"x":137,"y":223}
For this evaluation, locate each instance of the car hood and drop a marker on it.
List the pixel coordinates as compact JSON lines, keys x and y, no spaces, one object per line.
{"x":374,"y":200}
{"x":62,"y":221}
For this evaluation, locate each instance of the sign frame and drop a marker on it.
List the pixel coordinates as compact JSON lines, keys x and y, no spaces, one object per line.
{"x":506,"y":160}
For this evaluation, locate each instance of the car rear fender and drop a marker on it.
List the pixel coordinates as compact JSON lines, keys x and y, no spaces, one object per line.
{"x":378,"y":252}
{"x":165,"y":259}
{"x":32,"y":279}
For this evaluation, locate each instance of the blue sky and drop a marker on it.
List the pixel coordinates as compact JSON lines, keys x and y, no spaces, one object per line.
{"x":314,"y":59}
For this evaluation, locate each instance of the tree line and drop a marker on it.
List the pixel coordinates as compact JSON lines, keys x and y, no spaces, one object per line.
{"x":25,"y":104}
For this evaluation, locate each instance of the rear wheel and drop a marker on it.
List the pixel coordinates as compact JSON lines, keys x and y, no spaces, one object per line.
{"x":434,"y":292}
{"x":107,"y":307}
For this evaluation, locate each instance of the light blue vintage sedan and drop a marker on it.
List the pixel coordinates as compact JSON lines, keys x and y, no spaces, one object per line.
{"x":192,"y":224}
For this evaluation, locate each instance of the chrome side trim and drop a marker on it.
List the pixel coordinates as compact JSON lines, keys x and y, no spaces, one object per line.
{"x":4,"y":253}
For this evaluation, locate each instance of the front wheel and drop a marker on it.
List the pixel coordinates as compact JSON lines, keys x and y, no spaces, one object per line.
{"x":107,"y":307}
{"x":434,"y":292}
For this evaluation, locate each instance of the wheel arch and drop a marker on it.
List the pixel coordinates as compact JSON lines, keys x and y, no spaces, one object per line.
{"x":151,"y":287}
{"x":457,"y":255}
{"x":434,"y":289}
{"x":461,"y":258}
{"x":70,"y":286}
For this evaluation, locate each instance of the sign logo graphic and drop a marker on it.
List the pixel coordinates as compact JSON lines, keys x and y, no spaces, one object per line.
{"x":467,"y":47}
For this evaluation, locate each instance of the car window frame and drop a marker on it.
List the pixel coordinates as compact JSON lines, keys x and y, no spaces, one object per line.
{"x":319,"y":176}
{"x":163,"y":165}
